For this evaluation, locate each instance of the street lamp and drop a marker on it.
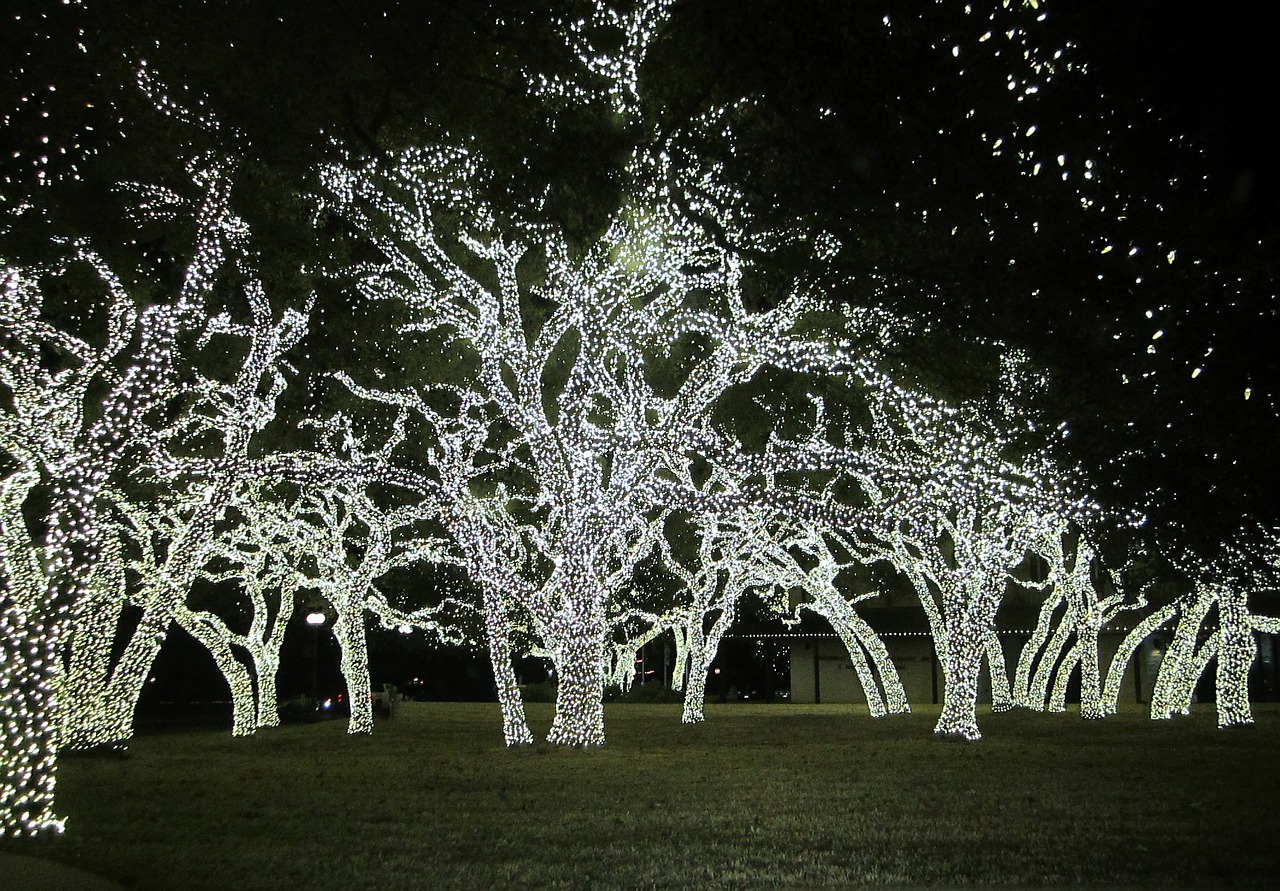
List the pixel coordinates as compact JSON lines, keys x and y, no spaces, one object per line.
{"x":315,"y":620}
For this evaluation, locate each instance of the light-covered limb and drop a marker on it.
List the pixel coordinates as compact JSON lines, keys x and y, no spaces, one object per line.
{"x":998,"y":670}
{"x":212,"y":634}
{"x":1032,"y":653}
{"x":1124,"y":653}
{"x":1181,"y":667}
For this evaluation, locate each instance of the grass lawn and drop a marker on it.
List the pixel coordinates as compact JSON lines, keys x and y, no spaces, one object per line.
{"x":759,"y":796}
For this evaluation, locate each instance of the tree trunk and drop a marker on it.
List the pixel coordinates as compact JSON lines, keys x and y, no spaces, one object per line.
{"x":624,"y":666}
{"x":1236,"y":651}
{"x":890,"y":681}
{"x":870,"y":689}
{"x":28,"y":738}
{"x":1090,"y":673}
{"x":858,"y":637}
{"x":1038,"y":691}
{"x":1031,"y":650}
{"x":104,"y":717}
{"x":695,"y":690}
{"x":110,"y":719}
{"x":1120,"y":661}
{"x":580,"y":653}
{"x":348,"y":628}
{"x":998,"y":670}
{"x":244,"y":718}
{"x":962,"y":663}
{"x":1062,"y":678}
{"x":1176,"y":681}
{"x":89,"y":643}
{"x":265,"y":667}
{"x":680,"y":671}
{"x":515,"y":728}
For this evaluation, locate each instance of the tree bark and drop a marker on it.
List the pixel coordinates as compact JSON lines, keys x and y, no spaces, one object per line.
{"x":28,"y":736}
{"x":963,"y":664}
{"x":348,"y":628}
{"x":244,"y":717}
{"x":1236,"y":651}
{"x":695,"y":691}
{"x":265,"y":667}
{"x":515,"y":728}
{"x":580,"y":652}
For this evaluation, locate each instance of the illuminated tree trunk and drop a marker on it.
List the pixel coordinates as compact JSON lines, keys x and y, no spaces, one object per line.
{"x":33,"y":616}
{"x":1062,"y":678}
{"x":1236,"y":651}
{"x":1031,"y":652}
{"x":264,"y":650}
{"x":244,"y":716}
{"x":998,"y":670}
{"x":853,"y":646}
{"x":962,"y":664}
{"x":515,"y":727}
{"x":1048,"y":665}
{"x":870,"y":688}
{"x":265,"y":667}
{"x":109,"y":719}
{"x":28,"y":642}
{"x":105,"y":718}
{"x":87,"y":656}
{"x":1090,"y":672}
{"x":680,"y":672}
{"x":703,"y":646}
{"x":1120,"y":661}
{"x":886,"y":696}
{"x":1176,"y":682}
{"x":623,"y":674}
{"x":695,"y":691}
{"x":579,"y":644}
{"x":349,"y":631}
{"x":626,"y":655}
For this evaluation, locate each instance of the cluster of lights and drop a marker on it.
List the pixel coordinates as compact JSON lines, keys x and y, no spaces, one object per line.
{"x":1071,"y":613}
{"x":598,"y":447}
{"x":881,"y":683}
{"x":553,"y":467}
{"x":224,"y":417}
{"x":81,"y":452}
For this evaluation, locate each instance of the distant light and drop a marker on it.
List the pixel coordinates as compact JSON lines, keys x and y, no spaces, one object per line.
{"x":315,"y":619}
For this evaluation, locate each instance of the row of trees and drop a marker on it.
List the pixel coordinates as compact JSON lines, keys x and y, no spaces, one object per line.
{"x":601,"y":431}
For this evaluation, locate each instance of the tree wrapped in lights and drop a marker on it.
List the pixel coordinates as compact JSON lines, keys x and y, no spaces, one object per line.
{"x":353,"y":542}
{"x":959,"y":536}
{"x":79,"y":442}
{"x":731,"y":559}
{"x":1072,"y":613}
{"x":203,"y":459}
{"x":258,"y":556}
{"x":813,"y":563}
{"x":1219,"y":589}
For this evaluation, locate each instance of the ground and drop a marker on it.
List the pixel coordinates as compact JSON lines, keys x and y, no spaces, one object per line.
{"x":775,"y":795}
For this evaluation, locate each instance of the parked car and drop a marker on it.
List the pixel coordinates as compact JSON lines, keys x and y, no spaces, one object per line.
{"x":384,"y":698}
{"x":305,"y":708}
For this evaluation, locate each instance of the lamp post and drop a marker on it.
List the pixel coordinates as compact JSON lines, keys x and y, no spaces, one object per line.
{"x":315,"y":620}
